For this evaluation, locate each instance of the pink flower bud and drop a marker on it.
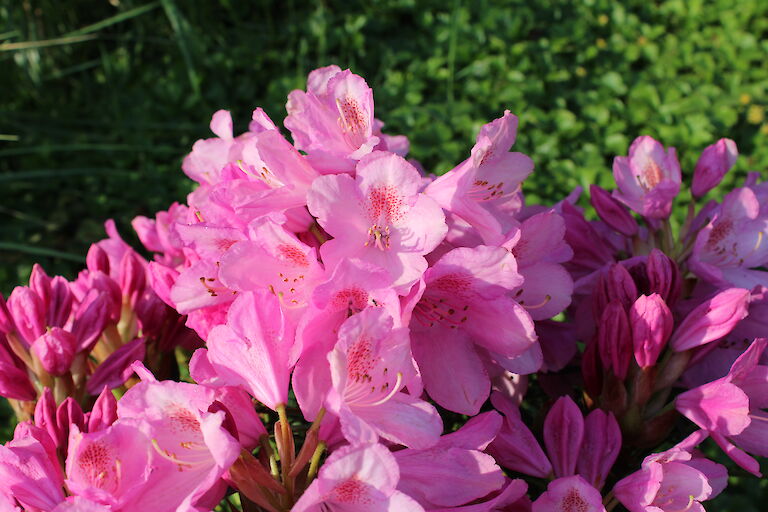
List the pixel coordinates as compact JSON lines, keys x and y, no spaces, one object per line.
{"x":104,"y":412}
{"x":90,"y":320}
{"x":563,"y":432}
{"x":614,"y":339}
{"x":69,"y":413}
{"x":14,"y":381}
{"x":615,"y":284}
{"x":56,"y":350}
{"x":612,"y":212}
{"x":28,"y":312}
{"x":6,"y":320}
{"x":60,"y":304}
{"x":600,"y":447}
{"x":133,"y":279}
{"x":651,"y":323}
{"x":97,"y":259}
{"x":663,"y":276}
{"x":116,"y":369}
{"x":712,"y":319}
{"x":45,"y":414}
{"x":714,"y":162}
{"x":40,"y":283}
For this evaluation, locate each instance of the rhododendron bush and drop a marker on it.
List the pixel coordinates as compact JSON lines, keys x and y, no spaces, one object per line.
{"x":365,"y":336}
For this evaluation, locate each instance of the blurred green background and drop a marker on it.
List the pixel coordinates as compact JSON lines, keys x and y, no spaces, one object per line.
{"x":100,"y":100}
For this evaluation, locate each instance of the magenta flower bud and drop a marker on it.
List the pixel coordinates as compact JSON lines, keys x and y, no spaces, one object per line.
{"x":663,"y":276}
{"x":40,"y":283}
{"x":612,"y":212}
{"x":97,"y":259}
{"x":45,"y":413}
{"x":60,"y":304}
{"x":68,"y":413}
{"x":90,"y":320}
{"x":591,"y":369}
{"x":114,"y":295}
{"x":28,"y":312}
{"x":715,"y":161}
{"x":614,"y":339}
{"x":600,"y":447}
{"x":712,"y":319}
{"x":104,"y":412}
{"x":563,"y":432}
{"x":56,"y":350}
{"x":133,"y":279}
{"x":14,"y":381}
{"x":651,"y":323}
{"x":116,"y":368}
{"x":6,"y":320}
{"x":614,"y":284}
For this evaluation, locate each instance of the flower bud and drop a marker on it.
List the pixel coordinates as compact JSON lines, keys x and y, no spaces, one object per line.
{"x":56,"y":350}
{"x":651,"y":324}
{"x":6,"y":320}
{"x":104,"y":412}
{"x":133,"y":279}
{"x":68,"y":413}
{"x":663,"y":276}
{"x":600,"y":447}
{"x":563,"y":432}
{"x":612,"y":212}
{"x":97,"y":259}
{"x":90,"y":320}
{"x":614,"y":339}
{"x":714,"y":162}
{"x":28,"y":312}
{"x":614,"y":284}
{"x":45,"y":413}
{"x":712,"y":319}
{"x":40,"y":283}
{"x":60,"y":304}
{"x":116,"y":368}
{"x":14,"y":381}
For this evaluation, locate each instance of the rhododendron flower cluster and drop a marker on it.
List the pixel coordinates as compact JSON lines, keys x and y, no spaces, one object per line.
{"x":356,"y":334}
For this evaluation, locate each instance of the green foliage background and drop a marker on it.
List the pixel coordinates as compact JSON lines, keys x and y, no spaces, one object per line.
{"x":100,"y":100}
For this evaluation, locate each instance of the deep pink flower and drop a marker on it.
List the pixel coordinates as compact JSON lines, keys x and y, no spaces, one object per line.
{"x":711,"y":320}
{"x":648,"y":180}
{"x":563,"y":433}
{"x":715,"y":161}
{"x":651,"y":325}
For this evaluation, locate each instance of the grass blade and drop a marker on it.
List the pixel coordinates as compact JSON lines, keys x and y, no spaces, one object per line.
{"x":117,"y":18}
{"x":41,"y":251}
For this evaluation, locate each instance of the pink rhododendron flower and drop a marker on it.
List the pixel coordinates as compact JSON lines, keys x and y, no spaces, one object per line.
{"x":648,"y":180}
{"x":483,"y":190}
{"x":569,"y":494}
{"x":367,"y":367}
{"x":715,"y":161}
{"x":363,"y":477}
{"x":463,"y":293}
{"x":732,"y":246}
{"x":333,"y":120}
{"x":379,"y":217}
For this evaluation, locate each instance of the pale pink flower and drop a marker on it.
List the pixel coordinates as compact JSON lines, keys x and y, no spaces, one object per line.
{"x":363,"y":477}
{"x":569,"y":494}
{"x":484,"y":189}
{"x":367,"y":368}
{"x":648,"y":180}
{"x":379,"y":217}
